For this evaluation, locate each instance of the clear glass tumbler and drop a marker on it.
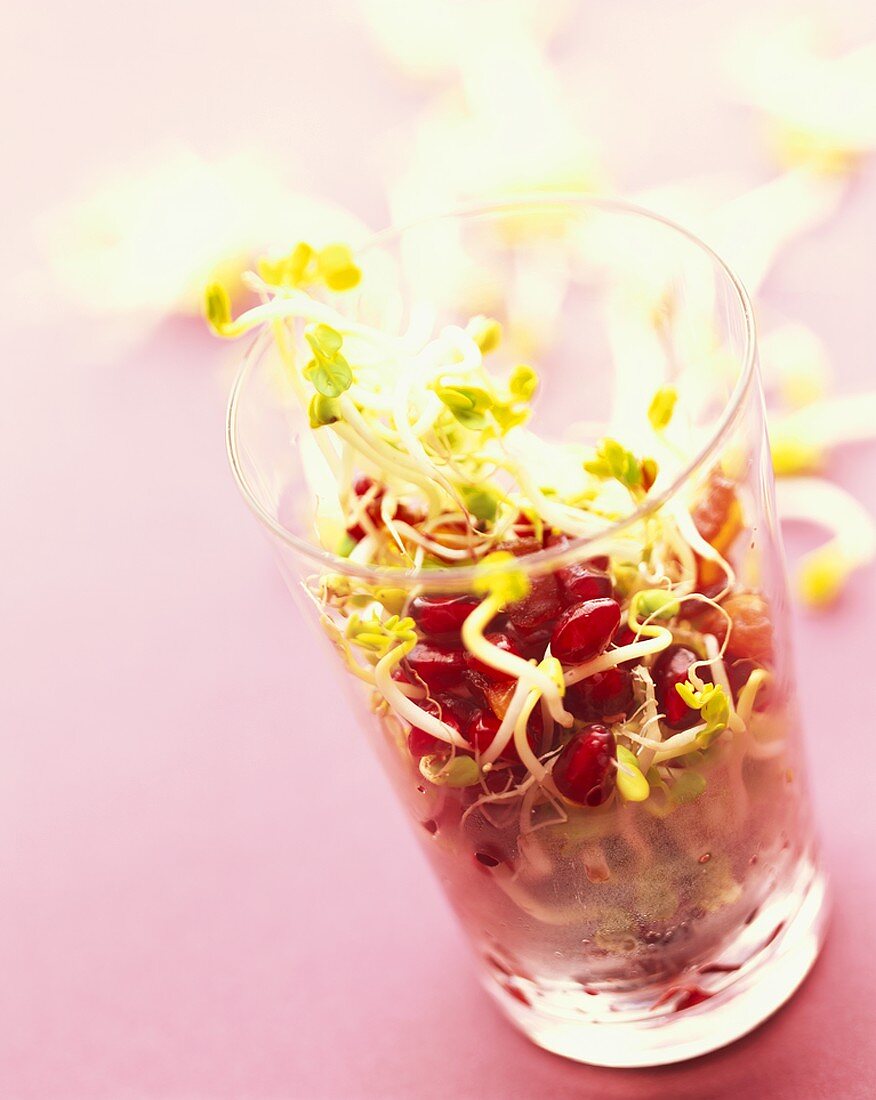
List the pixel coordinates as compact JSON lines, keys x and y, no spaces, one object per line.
{"x":628,"y":925}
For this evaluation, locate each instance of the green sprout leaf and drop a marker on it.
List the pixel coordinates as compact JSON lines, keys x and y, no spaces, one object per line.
{"x":655,"y":603}
{"x":322,"y":411}
{"x":662,"y":407}
{"x":217,"y":309}
{"x":346,"y":545}
{"x":481,"y":502}
{"x":328,"y":371}
{"x":612,"y":460}
{"x":713,"y":705}
{"x":468,"y":404}
{"x":458,"y":771}
{"x":503,"y":585}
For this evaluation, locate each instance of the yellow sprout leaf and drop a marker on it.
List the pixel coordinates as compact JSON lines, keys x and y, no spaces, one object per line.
{"x":793,"y":455}
{"x":217,"y":309}
{"x":823,"y":575}
{"x":631,"y":783}
{"x":503,"y":585}
{"x":486,"y":333}
{"x":662,"y":407}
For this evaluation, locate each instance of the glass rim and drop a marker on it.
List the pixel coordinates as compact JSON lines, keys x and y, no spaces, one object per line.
{"x":541,"y":560}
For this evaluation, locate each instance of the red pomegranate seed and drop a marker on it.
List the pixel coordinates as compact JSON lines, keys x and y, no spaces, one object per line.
{"x":738,"y":674}
{"x":438,"y":665}
{"x":556,"y":538}
{"x":671,"y":668}
{"x":520,"y":547}
{"x":606,"y":694}
{"x":438,"y":615}
{"x":502,"y":641}
{"x":454,"y":712}
{"x":584,"y":771}
{"x":483,"y":726}
{"x":361,"y":485}
{"x":752,"y":633}
{"x":537,"y":610}
{"x":584,"y":630}
{"x":583,"y":581}
{"x":712,"y":511}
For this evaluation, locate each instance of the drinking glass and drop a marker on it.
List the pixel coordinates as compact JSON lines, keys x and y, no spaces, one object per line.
{"x":620,"y":932}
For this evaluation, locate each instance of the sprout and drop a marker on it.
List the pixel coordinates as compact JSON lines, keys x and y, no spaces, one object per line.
{"x":378,"y":636}
{"x":614,"y":461}
{"x":457,"y":771}
{"x":329,"y":371}
{"x":500,"y":586}
{"x":217,"y":309}
{"x":304,"y":266}
{"x":654,"y":603}
{"x":631,"y":784}
{"x":662,"y":407}
{"x":322,"y":410}
{"x":485,"y":332}
{"x":713,"y":704}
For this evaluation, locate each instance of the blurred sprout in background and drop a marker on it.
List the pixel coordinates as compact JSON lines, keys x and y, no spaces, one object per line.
{"x":498,"y":116}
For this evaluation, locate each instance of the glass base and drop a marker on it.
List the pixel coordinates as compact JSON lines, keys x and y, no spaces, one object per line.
{"x":702,"y":1010}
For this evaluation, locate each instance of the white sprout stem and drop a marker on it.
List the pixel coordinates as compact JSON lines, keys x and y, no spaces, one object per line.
{"x":652,"y":718}
{"x":383,"y":458}
{"x":701,"y":546}
{"x":748,"y":695}
{"x":403,"y":706}
{"x":436,"y":548}
{"x":828,"y":506}
{"x":679,"y":744}
{"x":521,"y":740}
{"x":473,"y":638}
{"x":827,"y":423}
{"x":632,"y":652}
{"x":506,"y":729}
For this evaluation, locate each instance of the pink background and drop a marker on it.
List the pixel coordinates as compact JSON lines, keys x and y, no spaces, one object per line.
{"x":204,"y":891}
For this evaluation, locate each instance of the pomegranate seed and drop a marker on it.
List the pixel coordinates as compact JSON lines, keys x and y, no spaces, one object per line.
{"x":712,"y":511}
{"x":671,"y":668}
{"x":583,"y":581}
{"x":537,"y":610}
{"x":502,"y":641}
{"x":752,"y":633}
{"x":520,"y":547}
{"x":606,"y":694}
{"x":584,"y":772}
{"x":556,"y":538}
{"x":584,"y":630}
{"x":438,"y":665}
{"x":454,"y":712}
{"x":361,"y":485}
{"x":438,"y":615}
{"x":738,"y":673}
{"x":484,"y":725}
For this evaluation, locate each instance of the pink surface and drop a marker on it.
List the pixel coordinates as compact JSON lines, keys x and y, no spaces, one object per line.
{"x":206,"y":888}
